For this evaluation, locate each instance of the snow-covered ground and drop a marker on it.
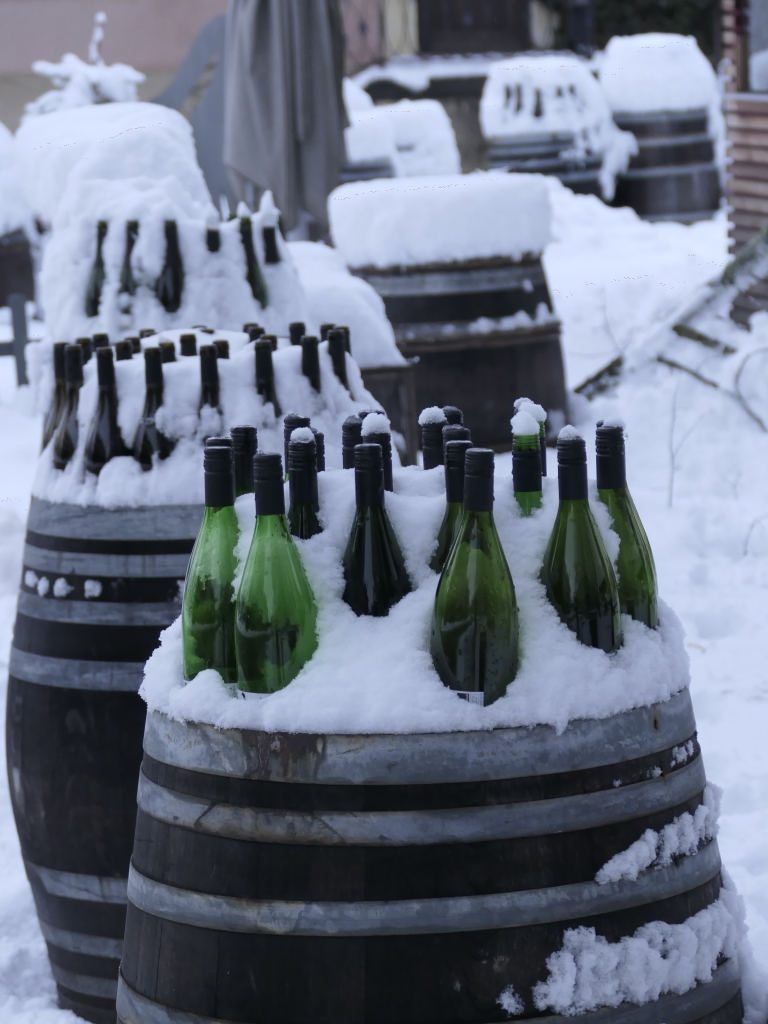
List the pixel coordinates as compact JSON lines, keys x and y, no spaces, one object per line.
{"x":696,"y":469}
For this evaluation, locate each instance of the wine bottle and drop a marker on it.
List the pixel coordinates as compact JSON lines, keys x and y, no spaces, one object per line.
{"x":577,"y":573}
{"x":104,"y":440}
{"x":167,"y":351}
{"x":351,"y":436}
{"x":97,"y":274}
{"x":296,"y":332}
{"x":276,"y":619}
{"x":100,"y":340}
{"x":454,"y":502}
{"x":208,"y":608}
{"x":474,"y":635}
{"x":254,"y":332}
{"x":212,"y":239}
{"x":135,"y":345}
{"x":374,"y":570}
{"x":209,"y":378}
{"x":59,"y":399}
{"x":222,"y":348}
{"x":310,"y":361}
{"x":272,"y":339}
{"x":376,"y":431}
{"x":149,"y":441}
{"x":638,"y":589}
{"x":170,"y":285}
{"x":432,"y":420}
{"x":526,"y":461}
{"x":253,"y":274}
{"x":539,"y":414}
{"x":302,"y":484}
{"x":454,"y":432}
{"x":265,"y":374}
{"x":127,"y":280}
{"x":147,"y":332}
{"x":453,"y":415}
{"x":244,"y":445}
{"x":290,"y":423}
{"x":65,"y":438}
{"x":271,"y":252}
{"x":188,"y":345}
{"x":347,"y":339}
{"x":319,"y":449}
{"x":338,"y":354}
{"x":124,"y":350}
{"x":86,"y":344}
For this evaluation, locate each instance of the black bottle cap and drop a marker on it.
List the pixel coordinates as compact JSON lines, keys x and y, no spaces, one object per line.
{"x":347,"y":339}
{"x":188,"y":345}
{"x":218,"y":464}
{"x":153,"y":367}
{"x":147,"y":332}
{"x":272,"y":339}
{"x":244,"y":445}
{"x":73,"y":364}
{"x":264,"y":370}
{"x":222,"y":348}
{"x":296,"y":332}
{"x":454,"y":432}
{"x":290,"y":423}
{"x":478,"y":480}
{"x":209,"y":369}
{"x":310,"y":360}
{"x":432,"y":444}
{"x":572,"y":468}
{"x":135,"y":344}
{"x":268,"y":484}
{"x":58,"y":359}
{"x":384,"y":440}
{"x":455,"y":453}
{"x":610,"y":457}
{"x":105,"y":367}
{"x":219,"y":442}
{"x":271,"y":252}
{"x":319,"y":449}
{"x":123,"y":350}
{"x":86,"y":347}
{"x":247,"y":328}
{"x":526,"y":469}
{"x":302,"y":472}
{"x":453,"y":414}
{"x":369,"y":474}
{"x":168,"y":351}
{"x":213,"y":239}
{"x":324,"y":329}
{"x":351,"y":435}
{"x":100,"y":340}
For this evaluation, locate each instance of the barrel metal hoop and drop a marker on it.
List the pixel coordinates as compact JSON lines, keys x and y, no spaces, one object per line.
{"x":91,"y":522}
{"x":407,"y":758}
{"x":457,"y":282}
{"x":652,"y":142}
{"x":133,"y":1008}
{"x":79,"y":942}
{"x":420,"y":917}
{"x":423,"y":827}
{"x":669,"y":170}
{"x":63,"y":563}
{"x":73,"y":886}
{"x":84,"y":984}
{"x":71,"y":674}
{"x":99,"y":613}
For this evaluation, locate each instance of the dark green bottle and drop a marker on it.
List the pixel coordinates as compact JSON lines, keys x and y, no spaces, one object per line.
{"x":453,"y":415}
{"x":638,"y":589}
{"x":96,"y":277}
{"x":454,"y":432}
{"x":296,"y":332}
{"x":265,"y":374}
{"x":209,"y":378}
{"x":474,"y":635}
{"x":383,"y":438}
{"x":170,"y":285}
{"x":149,"y":441}
{"x":208,"y":609}
{"x":127,"y":280}
{"x":325,"y":330}
{"x":254,"y":331}
{"x":454,"y":502}
{"x":526,"y":461}
{"x":65,"y":438}
{"x":432,"y":421}
{"x":271,"y":252}
{"x":222,"y":348}
{"x":59,"y":400}
{"x":100,"y":340}
{"x":291,"y":422}
{"x":167,"y":351}
{"x":188,"y":345}
{"x":302,"y":485}
{"x":374,"y":570}
{"x":577,"y":573}
{"x":104,"y":440}
{"x":276,"y":619}
{"x":338,"y":353}
{"x":253,"y":274}
{"x":351,"y":436}
{"x":244,"y":446}
{"x":539,"y":414}
{"x":310,"y":361}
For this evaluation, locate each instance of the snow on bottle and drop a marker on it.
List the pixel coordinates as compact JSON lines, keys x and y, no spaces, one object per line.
{"x":526,"y":461}
{"x":104,"y":440}
{"x":539,"y":414}
{"x":432,"y":420}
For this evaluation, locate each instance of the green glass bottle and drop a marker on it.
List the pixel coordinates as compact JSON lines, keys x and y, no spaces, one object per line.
{"x":265,"y":374}
{"x":59,"y":400}
{"x":65,"y":438}
{"x":97,"y":274}
{"x":526,"y":461}
{"x":432,"y":420}
{"x":638,"y":588}
{"x":454,"y":502}
{"x":104,"y":440}
{"x":539,"y":414}
{"x":276,"y":617}
{"x":244,"y":445}
{"x":208,"y":608}
{"x":253,"y":274}
{"x":374,"y":569}
{"x":577,"y":573}
{"x":474,"y":635}
{"x":170,"y":285}
{"x":376,"y":430}
{"x":127,"y":280}
{"x":150,"y":441}
{"x":302,"y":484}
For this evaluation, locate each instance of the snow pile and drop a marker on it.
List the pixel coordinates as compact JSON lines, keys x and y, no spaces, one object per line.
{"x":415,"y":73}
{"x":79,"y":84}
{"x":14,"y":211}
{"x":179,"y":478}
{"x":555,"y":94}
{"x":412,"y":221}
{"x":333,"y":295}
{"x":681,"y":838}
{"x":385,"y":682}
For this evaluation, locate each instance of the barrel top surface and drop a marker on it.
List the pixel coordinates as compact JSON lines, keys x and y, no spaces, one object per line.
{"x":420,"y":757}
{"x":92,"y":522}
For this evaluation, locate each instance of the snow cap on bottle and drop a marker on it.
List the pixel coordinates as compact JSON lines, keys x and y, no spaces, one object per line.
{"x":455,"y":453}
{"x":105,"y":367}
{"x":268,"y":484}
{"x":73,"y":364}
{"x":369,"y":474}
{"x":478,"y":480}
{"x":571,"y":465}
{"x":218,"y":465}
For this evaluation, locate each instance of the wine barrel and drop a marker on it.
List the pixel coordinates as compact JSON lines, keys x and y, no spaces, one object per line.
{"x":97,"y":588}
{"x":545,"y":154}
{"x":674,"y":176}
{"x":452,"y":317}
{"x":370,"y":879}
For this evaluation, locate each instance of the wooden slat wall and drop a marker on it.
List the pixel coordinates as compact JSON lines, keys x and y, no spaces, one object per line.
{"x":746,"y":119}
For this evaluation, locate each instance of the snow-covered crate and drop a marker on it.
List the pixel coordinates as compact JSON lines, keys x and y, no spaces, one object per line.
{"x":456,"y":260}
{"x":492,"y":874}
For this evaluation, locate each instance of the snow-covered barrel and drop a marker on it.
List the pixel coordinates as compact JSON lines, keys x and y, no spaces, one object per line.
{"x":464,"y":876}
{"x":98,"y":586}
{"x":457,"y":261}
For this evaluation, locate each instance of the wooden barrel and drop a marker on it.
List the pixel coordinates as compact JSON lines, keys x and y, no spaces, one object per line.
{"x":451,"y":316}
{"x":371,"y":879}
{"x":543,"y":154}
{"x":674,"y":176}
{"x":97,"y":588}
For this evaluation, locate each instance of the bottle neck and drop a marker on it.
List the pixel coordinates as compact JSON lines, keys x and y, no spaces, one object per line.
{"x":572,"y":481}
{"x":302,"y":484}
{"x":369,"y":489}
{"x":611,"y":470}
{"x":526,"y":465}
{"x":270,"y":498}
{"x":454,"y":484}
{"x":219,"y":490}
{"x":478,"y":493}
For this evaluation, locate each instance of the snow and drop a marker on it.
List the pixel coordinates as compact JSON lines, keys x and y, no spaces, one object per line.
{"x":510,"y":1001}
{"x":569,"y":433}
{"x":432,"y":414}
{"x":79,"y":84}
{"x":412,"y":221}
{"x":14,"y":212}
{"x":375,"y":423}
{"x":415,"y":73}
{"x":524,"y":424}
{"x":303,"y":435}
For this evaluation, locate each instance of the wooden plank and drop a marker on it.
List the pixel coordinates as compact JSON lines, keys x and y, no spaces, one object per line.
{"x":748,"y":204}
{"x":738,"y":102}
{"x":747,"y":172}
{"x":748,"y":155}
{"x":748,"y":122}
{"x":738,"y":136}
{"x":747,"y":187}
{"x":747,"y":221}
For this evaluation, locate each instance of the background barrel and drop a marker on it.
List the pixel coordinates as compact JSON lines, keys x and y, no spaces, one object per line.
{"x":370,"y":879}
{"x":452,"y":317}
{"x":97,"y":588}
{"x":544,"y":154}
{"x":674,"y":176}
